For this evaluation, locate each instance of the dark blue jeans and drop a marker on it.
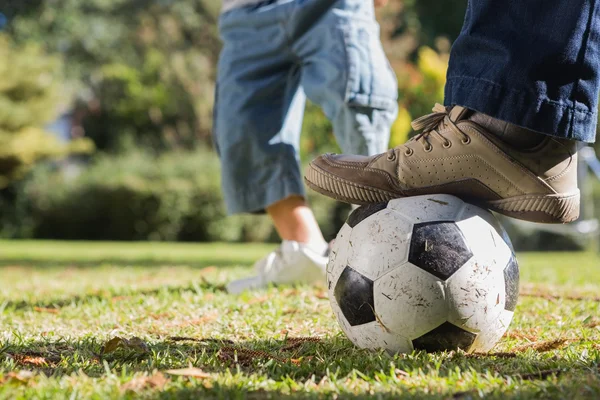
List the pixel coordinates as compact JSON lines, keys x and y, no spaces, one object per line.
{"x":535,"y":63}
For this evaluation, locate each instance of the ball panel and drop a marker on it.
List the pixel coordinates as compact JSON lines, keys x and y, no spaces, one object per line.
{"x":353,"y":293}
{"x":439,"y":248}
{"x":445,"y":337}
{"x":374,"y":336}
{"x":475,"y":296}
{"x":511,"y":284}
{"x":346,"y":327}
{"x":363,"y":212}
{"x":479,"y":229}
{"x":472,"y":210}
{"x":379,"y":244}
{"x":487,"y":339}
{"x":338,"y":256}
{"x":410,"y":301}
{"x":428,"y":208}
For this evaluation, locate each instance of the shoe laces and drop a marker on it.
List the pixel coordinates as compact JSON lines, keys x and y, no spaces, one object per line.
{"x":430,"y":125}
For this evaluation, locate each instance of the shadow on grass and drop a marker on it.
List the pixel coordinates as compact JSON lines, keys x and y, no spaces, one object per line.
{"x":127,"y":262}
{"x":573,"y":386}
{"x":55,"y":304}
{"x":298,"y":359}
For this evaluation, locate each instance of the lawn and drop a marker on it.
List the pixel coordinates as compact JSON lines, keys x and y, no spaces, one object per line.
{"x":151,"y":320}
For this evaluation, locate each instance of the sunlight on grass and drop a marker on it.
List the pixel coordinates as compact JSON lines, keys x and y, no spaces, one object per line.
{"x":61,"y":302}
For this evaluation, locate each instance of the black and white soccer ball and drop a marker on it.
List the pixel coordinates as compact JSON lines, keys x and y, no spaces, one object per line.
{"x":429,"y":272}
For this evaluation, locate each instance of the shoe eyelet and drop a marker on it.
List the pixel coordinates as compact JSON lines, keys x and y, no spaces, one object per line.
{"x":467,"y":140}
{"x":428,"y":149}
{"x":447,"y":145}
{"x":391,"y":157}
{"x":409,"y":152}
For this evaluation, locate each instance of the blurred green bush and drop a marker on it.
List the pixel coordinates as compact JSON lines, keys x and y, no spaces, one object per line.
{"x":138,"y":196}
{"x":30,"y":97}
{"x":143,"y":69}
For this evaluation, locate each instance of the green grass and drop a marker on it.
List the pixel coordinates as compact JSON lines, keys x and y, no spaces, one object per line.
{"x":60,"y":302}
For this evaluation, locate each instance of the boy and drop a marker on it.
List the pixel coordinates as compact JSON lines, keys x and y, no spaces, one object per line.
{"x":275,"y":54}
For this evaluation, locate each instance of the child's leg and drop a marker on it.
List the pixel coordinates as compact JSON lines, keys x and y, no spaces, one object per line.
{"x":346,"y":72}
{"x":258,"y":112}
{"x":258,"y":117}
{"x":294,"y":220}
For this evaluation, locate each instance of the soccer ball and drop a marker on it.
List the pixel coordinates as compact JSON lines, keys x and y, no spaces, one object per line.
{"x":429,"y":272}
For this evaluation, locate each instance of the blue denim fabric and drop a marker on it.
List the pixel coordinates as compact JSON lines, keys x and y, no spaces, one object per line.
{"x":534,"y":63}
{"x":275,"y":55}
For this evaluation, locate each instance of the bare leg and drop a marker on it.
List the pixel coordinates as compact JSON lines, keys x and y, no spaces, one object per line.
{"x":294,"y":220}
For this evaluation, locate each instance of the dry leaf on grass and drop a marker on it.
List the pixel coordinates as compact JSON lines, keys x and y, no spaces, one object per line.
{"x":17,"y":377}
{"x":46,"y":310}
{"x":160,"y":316}
{"x":259,"y":300}
{"x":197,"y":321}
{"x":29,"y":360}
{"x":135,"y":344}
{"x":155,"y":381}
{"x":112,"y":345}
{"x":591,"y":323}
{"x":207,"y":270}
{"x":401,"y":374}
{"x":322,"y":295}
{"x":189,"y":372}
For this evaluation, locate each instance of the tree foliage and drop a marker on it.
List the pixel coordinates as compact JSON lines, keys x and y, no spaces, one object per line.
{"x":144,"y":67}
{"x":30,"y":97}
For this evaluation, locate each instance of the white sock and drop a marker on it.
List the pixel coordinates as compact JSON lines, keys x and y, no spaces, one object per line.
{"x":317,"y":246}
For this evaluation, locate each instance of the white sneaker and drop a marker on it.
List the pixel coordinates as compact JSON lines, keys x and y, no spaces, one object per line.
{"x":292,"y":262}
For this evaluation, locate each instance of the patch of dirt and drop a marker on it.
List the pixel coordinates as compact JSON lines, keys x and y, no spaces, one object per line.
{"x":200,"y":340}
{"x":540,"y":375}
{"x":530,"y":334}
{"x":545,"y":293}
{"x":497,"y":355}
{"x":543,"y":346}
{"x":229,"y":352}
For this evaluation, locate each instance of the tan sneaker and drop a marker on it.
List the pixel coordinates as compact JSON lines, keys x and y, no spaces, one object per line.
{"x":456,"y":156}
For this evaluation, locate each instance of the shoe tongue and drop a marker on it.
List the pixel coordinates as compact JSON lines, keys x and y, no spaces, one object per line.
{"x":458,"y":113}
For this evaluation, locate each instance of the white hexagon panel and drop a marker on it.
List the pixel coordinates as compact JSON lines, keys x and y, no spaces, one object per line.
{"x":379,"y":243}
{"x":428,"y":208}
{"x":409,"y":301}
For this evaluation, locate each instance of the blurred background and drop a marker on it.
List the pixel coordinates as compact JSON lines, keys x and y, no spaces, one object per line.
{"x":106,"y":114}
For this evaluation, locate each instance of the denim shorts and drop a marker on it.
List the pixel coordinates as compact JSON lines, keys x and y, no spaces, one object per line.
{"x":276,"y":54}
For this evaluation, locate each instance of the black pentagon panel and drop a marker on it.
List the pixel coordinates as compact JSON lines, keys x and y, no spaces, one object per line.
{"x":511,"y":284}
{"x":363,"y":212}
{"x":354,"y":294}
{"x":445,"y":337}
{"x":439,"y":248}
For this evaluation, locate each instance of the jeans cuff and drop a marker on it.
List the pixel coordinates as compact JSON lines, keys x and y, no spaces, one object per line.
{"x":256,"y":198}
{"x":527,"y":109}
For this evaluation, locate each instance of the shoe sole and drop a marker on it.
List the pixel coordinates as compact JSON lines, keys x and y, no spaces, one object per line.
{"x":551,"y":208}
